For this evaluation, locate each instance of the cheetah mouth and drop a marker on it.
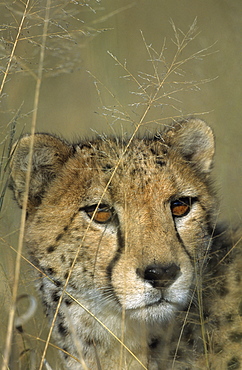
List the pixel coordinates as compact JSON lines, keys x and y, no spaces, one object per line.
{"x":160,"y":310}
{"x":159,"y":302}
{"x":162,"y":305}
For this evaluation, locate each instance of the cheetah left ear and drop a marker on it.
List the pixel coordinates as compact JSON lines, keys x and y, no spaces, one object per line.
{"x":194,"y":139}
{"x":48,"y":157}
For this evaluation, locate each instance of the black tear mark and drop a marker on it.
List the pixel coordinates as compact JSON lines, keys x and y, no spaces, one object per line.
{"x":121,"y":246}
{"x":117,"y":255}
{"x":183,"y":245}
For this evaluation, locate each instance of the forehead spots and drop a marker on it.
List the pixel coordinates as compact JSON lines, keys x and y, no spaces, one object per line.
{"x":106,"y":153}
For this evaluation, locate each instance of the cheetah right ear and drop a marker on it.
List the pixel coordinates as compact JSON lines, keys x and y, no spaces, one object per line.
{"x":194,"y":139}
{"x":49,"y":155}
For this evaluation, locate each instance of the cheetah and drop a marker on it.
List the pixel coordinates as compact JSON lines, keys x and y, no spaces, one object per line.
{"x":132,"y":264}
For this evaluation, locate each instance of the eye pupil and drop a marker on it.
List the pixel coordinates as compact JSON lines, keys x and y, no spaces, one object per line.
{"x":101,"y":214}
{"x":179,"y":210}
{"x":181,"y":207}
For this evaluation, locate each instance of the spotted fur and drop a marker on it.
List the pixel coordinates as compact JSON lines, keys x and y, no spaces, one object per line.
{"x":126,"y":237}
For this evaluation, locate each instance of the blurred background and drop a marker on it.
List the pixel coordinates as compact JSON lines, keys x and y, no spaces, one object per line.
{"x":102,"y":61}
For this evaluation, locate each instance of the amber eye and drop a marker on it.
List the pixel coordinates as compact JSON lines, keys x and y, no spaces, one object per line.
{"x":101,"y":214}
{"x":181,"y":207}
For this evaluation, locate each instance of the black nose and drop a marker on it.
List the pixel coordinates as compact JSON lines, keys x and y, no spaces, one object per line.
{"x":160,"y":276}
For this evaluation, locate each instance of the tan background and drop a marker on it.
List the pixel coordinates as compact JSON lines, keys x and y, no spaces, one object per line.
{"x":69,"y":105}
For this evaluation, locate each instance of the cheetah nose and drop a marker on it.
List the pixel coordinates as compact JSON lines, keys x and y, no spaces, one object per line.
{"x":160,"y":276}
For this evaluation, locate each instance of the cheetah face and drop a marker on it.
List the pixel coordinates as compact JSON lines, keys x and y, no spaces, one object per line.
{"x":153,"y":273}
{"x":129,"y":229}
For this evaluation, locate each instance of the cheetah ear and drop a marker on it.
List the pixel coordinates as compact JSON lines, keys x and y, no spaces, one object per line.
{"x":49,"y":155}
{"x":194,"y":139}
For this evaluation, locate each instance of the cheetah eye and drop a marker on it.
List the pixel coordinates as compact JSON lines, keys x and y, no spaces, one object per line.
{"x":181,"y":207}
{"x":101,"y":214}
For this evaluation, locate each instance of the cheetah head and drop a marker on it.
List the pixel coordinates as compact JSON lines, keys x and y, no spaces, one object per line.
{"x":128,"y":224}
